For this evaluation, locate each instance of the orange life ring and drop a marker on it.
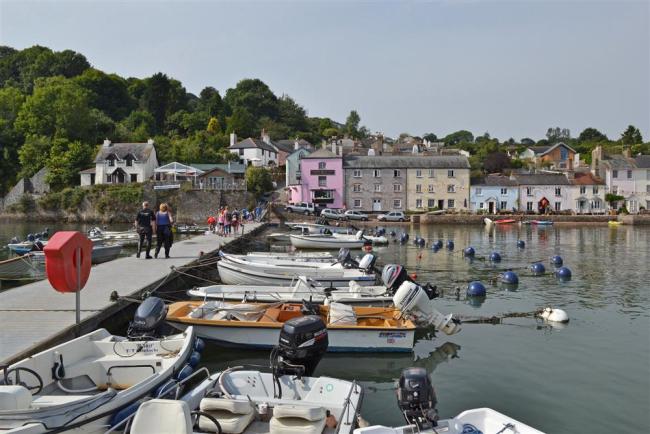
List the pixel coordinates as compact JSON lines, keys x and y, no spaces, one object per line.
{"x":61,"y":260}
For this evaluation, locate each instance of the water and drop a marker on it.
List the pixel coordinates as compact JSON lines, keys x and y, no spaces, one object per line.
{"x":591,"y":376}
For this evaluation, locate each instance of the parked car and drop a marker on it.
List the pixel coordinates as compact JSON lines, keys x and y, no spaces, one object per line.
{"x":332,"y":213}
{"x":356,"y":215}
{"x":305,"y":208}
{"x":393,"y":216}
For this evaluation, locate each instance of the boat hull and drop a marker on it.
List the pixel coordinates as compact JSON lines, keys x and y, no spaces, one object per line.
{"x":326,"y":242}
{"x":21,"y":267}
{"x":101,"y":254}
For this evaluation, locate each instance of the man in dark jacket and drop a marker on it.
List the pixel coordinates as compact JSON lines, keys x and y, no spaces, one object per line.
{"x":145,"y":222}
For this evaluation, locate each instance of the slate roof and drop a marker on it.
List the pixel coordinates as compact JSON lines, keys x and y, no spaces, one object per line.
{"x":253,"y":143}
{"x":419,"y":162}
{"x":542,"y":179}
{"x":542,"y":150}
{"x":322,"y":153}
{"x":289,"y":144}
{"x":91,"y":170}
{"x":642,"y":161}
{"x":234,"y":167}
{"x":141,"y":151}
{"x":496,"y":181}
{"x":619,"y":162}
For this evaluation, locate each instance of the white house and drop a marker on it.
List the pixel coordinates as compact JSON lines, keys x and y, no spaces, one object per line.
{"x":253,"y":152}
{"x":588,"y":193}
{"x":120,"y":163}
{"x":540,"y":192}
{"x":625,"y":176}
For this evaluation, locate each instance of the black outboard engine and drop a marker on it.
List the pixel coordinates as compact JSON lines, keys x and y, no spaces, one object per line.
{"x":417,"y":399}
{"x":148,"y":318}
{"x":31,"y":237}
{"x":37,"y":247}
{"x":345,"y":258}
{"x":303,"y":342}
{"x":14,"y":240}
{"x":367,"y":263}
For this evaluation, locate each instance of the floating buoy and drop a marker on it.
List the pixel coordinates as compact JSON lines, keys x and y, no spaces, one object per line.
{"x":557,"y":260}
{"x":199,"y":345}
{"x":194,"y":359}
{"x":414,"y":276}
{"x":392,"y":234}
{"x":404,"y":237}
{"x":450,"y":245}
{"x":537,"y":268}
{"x":439,"y":244}
{"x":469,"y":252}
{"x":419,"y":241}
{"x":476,"y":289}
{"x":554,"y":315}
{"x":476,"y":301}
{"x":563,"y":273}
{"x":367,"y":248}
{"x":495,"y":257}
{"x":185,"y":372}
{"x":521,"y":244}
{"x":510,"y":278}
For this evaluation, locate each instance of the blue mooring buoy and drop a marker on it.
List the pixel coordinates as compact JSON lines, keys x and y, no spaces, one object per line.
{"x":557,"y":260}
{"x":419,"y":241}
{"x":469,"y":252}
{"x":563,"y":273}
{"x":450,"y":245}
{"x":495,"y":257}
{"x":510,"y":278}
{"x":476,"y":289}
{"x":537,"y":268}
{"x":439,"y":244}
{"x":521,"y":244}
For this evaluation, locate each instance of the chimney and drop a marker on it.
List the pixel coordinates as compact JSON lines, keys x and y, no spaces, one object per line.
{"x":150,"y":141}
{"x":296,"y":144}
{"x":107,"y":143}
{"x":334,"y":148}
{"x":627,"y":153}
{"x":570,"y":175}
{"x":341,"y":150}
{"x":265,"y":137}
{"x":233,"y":139}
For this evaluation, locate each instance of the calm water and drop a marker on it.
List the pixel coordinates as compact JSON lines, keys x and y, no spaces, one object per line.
{"x":591,"y":376}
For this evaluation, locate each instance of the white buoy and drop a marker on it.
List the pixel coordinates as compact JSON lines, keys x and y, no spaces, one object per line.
{"x":554,"y":315}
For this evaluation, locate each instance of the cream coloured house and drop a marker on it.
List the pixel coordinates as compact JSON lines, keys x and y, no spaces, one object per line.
{"x":120,"y":163}
{"x":437,"y":182}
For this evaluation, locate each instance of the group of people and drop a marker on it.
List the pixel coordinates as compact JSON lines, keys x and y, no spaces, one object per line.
{"x":228,"y":222}
{"x":147,"y":222}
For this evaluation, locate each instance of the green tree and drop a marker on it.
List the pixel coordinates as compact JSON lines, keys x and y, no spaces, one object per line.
{"x":592,"y":135}
{"x":430,"y":137}
{"x":292,"y":115}
{"x":107,"y":92}
{"x":461,"y":136}
{"x":210,"y":102}
{"x":352,"y":124}
{"x":11,"y":99}
{"x":253,"y":96}
{"x":631,"y":136}
{"x":213,"y":126}
{"x":241,"y":122}
{"x":258,"y":180}
{"x":139,"y":126}
{"x":162,"y":96}
{"x":65,"y":161}
{"x":33,"y":154}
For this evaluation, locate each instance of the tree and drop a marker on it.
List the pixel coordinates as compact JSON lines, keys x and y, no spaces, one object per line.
{"x":558,"y":134}
{"x":210,"y":102}
{"x":292,"y":115}
{"x":11,"y":99}
{"x":140,"y":125}
{"x":526,"y":141}
{"x":162,"y":96}
{"x":107,"y":92}
{"x":65,"y":161}
{"x":33,"y":154}
{"x":495,"y":162}
{"x":253,"y":96}
{"x":459,"y":137}
{"x":213,"y":126}
{"x":352,"y":124}
{"x":330,"y":132}
{"x":592,"y":135}
{"x":631,"y":136}
{"x":258,"y":180}
{"x":430,"y":137}
{"x":241,"y":122}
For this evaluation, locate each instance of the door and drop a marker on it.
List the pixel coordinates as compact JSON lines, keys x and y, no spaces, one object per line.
{"x":491,"y":207}
{"x":441,"y":204}
{"x":376,"y":204}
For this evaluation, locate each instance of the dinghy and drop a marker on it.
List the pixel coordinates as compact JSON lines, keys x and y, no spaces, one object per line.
{"x":417,"y":402}
{"x":290,"y":260}
{"x":318,"y":241}
{"x":105,"y":253}
{"x":21,"y":267}
{"x":307,"y":256}
{"x":238,"y":271}
{"x":376,"y":240}
{"x":303,"y":289}
{"x":542,"y":222}
{"x":24,"y":247}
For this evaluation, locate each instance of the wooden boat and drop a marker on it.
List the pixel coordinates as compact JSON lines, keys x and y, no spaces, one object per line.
{"x":82,"y":384}
{"x":21,"y":267}
{"x":257,"y":325}
{"x":324,"y":242}
{"x":303,"y":289}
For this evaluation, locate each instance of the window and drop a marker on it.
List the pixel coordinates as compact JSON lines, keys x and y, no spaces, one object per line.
{"x":376,"y":173}
{"x":378,"y":188}
{"x":615,"y":189}
{"x":647,"y":174}
{"x":322,"y":181}
{"x":397,"y":203}
{"x":356,"y":188}
{"x":129,"y":160}
{"x":529,"y":206}
{"x":431,"y":175}
{"x":479,"y":191}
{"x":134,"y":177}
{"x":111,"y":161}
{"x":583,"y":189}
{"x":108,"y":179}
{"x":529,"y":192}
{"x":558,"y":206}
{"x":241,"y":152}
{"x":647,"y":188}
{"x":480,"y":205}
{"x":450,"y":173}
{"x":614,"y":173}
{"x":564,"y":154}
{"x":595,"y":189}
{"x":450,"y":203}
{"x":629,"y":174}
{"x":430,"y":188}
{"x":503,"y":205}
{"x":418,"y":188}
{"x":596,"y":204}
{"x":558,"y":191}
{"x":504,"y":191}
{"x":321,"y":165}
{"x":418,"y":173}
{"x":357,"y":203}
{"x":356,"y":173}
{"x":418,"y":203}
{"x":397,"y":187}
{"x":397,"y":173}
{"x":451,"y":188}
{"x":431,"y":203}
{"x":323,"y":194}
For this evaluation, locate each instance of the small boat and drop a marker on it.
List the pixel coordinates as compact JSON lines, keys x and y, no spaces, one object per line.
{"x":105,"y":253}
{"x":129,"y":236}
{"x":315,"y":228}
{"x":24,"y":247}
{"x":304,"y":289}
{"x":21,"y":267}
{"x":614,"y":223}
{"x":542,"y":222}
{"x":288,"y":260}
{"x":309,"y":256}
{"x":325,"y":242}
{"x":417,"y":402}
{"x":489,"y":222}
{"x":376,"y":240}
{"x":84,"y":384}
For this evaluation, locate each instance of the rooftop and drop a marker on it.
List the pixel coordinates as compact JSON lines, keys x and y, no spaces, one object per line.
{"x":322,"y":153}
{"x":542,"y":179}
{"x":419,"y":162}
{"x":141,"y":151}
{"x":587,"y":178}
{"x":253,"y":143}
{"x":496,"y":181}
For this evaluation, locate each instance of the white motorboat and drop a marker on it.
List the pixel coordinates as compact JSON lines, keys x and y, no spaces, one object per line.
{"x":237,"y":271}
{"x":377,"y":240}
{"x":309,"y":256}
{"x":287,"y":260}
{"x":321,"y":241}
{"x":303,"y":289}
{"x":81,"y":385}
{"x":21,"y":267}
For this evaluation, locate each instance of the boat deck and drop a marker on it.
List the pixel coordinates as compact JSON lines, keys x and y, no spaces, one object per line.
{"x":34,"y":316}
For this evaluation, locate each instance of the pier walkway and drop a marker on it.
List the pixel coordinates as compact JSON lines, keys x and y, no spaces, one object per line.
{"x":34,"y":315}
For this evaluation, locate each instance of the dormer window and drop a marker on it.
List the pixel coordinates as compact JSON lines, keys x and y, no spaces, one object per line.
{"x":129,"y":160}
{"x":111,"y":160}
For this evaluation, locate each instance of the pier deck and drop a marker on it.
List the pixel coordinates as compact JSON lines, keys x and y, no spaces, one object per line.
{"x":35,"y":314}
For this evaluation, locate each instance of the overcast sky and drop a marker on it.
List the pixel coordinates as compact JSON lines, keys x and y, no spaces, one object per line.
{"x":512,"y":68}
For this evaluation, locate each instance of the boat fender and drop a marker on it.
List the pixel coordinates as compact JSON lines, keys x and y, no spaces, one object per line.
{"x":557,"y":260}
{"x":495,"y":257}
{"x":554,"y":315}
{"x":124,"y":413}
{"x":58,"y":370}
{"x":510,"y":277}
{"x":469,"y":252}
{"x":563,"y":273}
{"x":185,"y":372}
{"x":199,"y":345}
{"x":476,"y":289}
{"x":62,"y":267}
{"x":450,"y":245}
{"x":521,"y":244}
{"x":165,"y":388}
{"x":194,"y":359}
{"x":538,"y":268}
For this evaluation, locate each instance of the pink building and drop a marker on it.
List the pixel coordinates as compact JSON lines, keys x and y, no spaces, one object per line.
{"x":321,"y":179}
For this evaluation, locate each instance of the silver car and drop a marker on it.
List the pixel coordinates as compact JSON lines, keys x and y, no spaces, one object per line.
{"x":335,"y":214}
{"x":356,"y":215}
{"x":393,"y":216}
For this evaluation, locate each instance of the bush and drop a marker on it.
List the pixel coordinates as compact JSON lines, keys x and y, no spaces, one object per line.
{"x":25,"y":205}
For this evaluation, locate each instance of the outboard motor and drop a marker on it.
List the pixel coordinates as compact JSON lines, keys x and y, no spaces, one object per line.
{"x":147,"y":319}
{"x":38,"y":246}
{"x":302,"y":344}
{"x":367,"y":263}
{"x":14,"y":240}
{"x":415,"y":300}
{"x":417,"y":399}
{"x":345,"y":258}
{"x":31,"y":237}
{"x":393,"y":276}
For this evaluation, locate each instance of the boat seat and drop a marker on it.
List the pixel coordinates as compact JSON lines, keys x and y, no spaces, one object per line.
{"x":162,"y":416}
{"x":233,"y":415}
{"x":14,"y":398}
{"x":52,"y":400}
{"x":299,"y":419}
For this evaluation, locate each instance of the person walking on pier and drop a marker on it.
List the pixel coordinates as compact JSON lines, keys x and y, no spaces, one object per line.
{"x":164,"y":222}
{"x":143,"y":224}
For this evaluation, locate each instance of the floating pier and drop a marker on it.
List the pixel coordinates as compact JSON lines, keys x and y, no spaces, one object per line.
{"x":34,"y":316}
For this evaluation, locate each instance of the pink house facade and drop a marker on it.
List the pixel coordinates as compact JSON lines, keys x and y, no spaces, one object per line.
{"x":321,"y":179}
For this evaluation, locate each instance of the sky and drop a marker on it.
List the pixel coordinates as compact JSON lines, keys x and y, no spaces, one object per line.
{"x":510,"y":68}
